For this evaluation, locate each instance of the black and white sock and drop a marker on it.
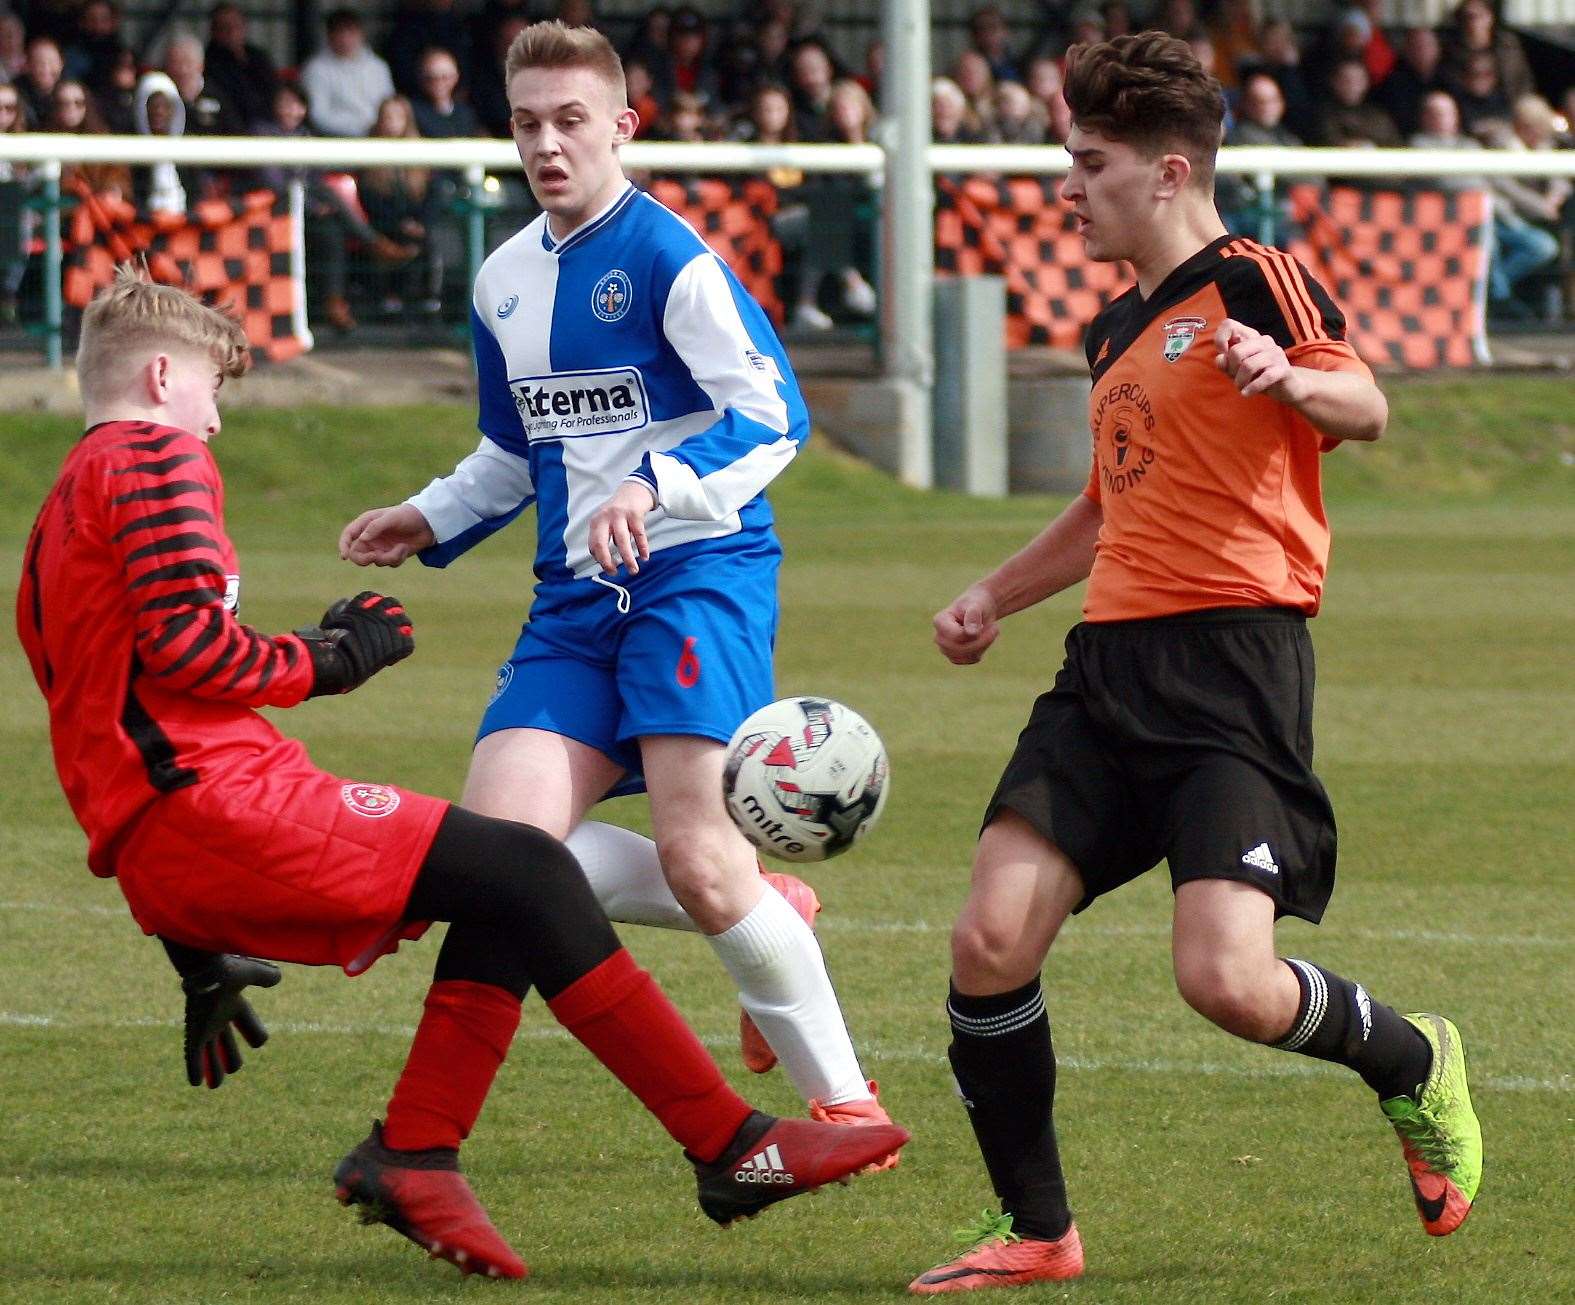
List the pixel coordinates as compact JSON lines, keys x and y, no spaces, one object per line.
{"x":1005,"y":1068}
{"x":1337,"y":1021}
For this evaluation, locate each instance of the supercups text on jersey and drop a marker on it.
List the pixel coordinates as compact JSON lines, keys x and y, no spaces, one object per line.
{"x":564,"y":405}
{"x":1123,"y":414}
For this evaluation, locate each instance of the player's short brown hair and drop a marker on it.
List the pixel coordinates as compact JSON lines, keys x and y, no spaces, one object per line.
{"x":552,"y":44}
{"x":1150,"y":91}
{"x":134,"y":314}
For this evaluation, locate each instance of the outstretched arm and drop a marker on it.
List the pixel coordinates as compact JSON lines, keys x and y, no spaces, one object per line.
{"x":1060,"y":556}
{"x":385,"y":536}
{"x":166,"y":529}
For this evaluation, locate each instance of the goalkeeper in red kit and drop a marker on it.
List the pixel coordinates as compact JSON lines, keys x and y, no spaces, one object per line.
{"x":230,"y":845}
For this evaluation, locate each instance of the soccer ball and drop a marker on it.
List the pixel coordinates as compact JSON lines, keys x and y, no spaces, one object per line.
{"x":805,"y":778}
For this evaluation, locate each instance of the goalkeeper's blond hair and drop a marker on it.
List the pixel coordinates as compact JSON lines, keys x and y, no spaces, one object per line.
{"x":134,"y":317}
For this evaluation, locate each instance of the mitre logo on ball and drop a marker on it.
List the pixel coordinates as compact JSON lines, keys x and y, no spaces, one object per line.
{"x":805,"y":778}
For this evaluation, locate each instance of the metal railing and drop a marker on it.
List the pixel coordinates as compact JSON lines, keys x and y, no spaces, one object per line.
{"x":475,"y":159}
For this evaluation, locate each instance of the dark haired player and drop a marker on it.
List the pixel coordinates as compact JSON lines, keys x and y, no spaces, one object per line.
{"x":226,"y":839}
{"x":1179,"y":726}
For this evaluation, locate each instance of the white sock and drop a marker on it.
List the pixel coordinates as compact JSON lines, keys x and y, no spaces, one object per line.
{"x":626,"y":875}
{"x":781,"y":975}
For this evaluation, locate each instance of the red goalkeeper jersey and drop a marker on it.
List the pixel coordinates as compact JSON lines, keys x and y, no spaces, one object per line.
{"x":127,"y":613}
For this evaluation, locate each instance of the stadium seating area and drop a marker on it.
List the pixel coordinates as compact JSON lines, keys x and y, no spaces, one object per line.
{"x":387,"y":243}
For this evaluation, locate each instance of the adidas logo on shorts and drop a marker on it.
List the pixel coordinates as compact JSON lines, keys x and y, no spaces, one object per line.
{"x":764,"y":1167}
{"x":1260,"y":858}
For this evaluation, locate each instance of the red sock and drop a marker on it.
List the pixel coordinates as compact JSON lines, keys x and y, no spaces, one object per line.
{"x":464,"y":1035}
{"x":625,"y":1019}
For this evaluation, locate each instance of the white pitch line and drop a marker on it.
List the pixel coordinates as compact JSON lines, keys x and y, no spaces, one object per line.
{"x":1562,"y":1084}
{"x":1074,"y":930}
{"x":62,"y":908}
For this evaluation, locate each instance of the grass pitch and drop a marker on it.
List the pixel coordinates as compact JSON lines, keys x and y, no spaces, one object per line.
{"x":1201,"y":1169}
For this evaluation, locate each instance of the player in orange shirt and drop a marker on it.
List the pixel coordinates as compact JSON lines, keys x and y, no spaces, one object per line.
{"x":1179,"y":726}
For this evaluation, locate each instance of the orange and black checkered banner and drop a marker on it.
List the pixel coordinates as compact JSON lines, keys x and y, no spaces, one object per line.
{"x":1408,"y":268}
{"x":734,"y":218}
{"x":1018,"y":228}
{"x":236,"y":251}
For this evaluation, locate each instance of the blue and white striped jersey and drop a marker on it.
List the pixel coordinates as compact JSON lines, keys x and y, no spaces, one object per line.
{"x":627,"y":349}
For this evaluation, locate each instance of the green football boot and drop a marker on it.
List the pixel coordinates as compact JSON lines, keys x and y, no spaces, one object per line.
{"x":1439,"y":1132}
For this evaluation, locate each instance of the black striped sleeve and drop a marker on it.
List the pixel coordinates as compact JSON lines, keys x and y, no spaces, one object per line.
{"x":166,"y":526}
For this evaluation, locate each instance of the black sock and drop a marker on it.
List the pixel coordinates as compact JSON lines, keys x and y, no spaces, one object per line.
{"x":1005,"y":1070}
{"x":1336,"y":1020}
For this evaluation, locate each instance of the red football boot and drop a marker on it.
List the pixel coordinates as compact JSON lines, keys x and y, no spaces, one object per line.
{"x":423,"y":1196}
{"x":771,"y":1159}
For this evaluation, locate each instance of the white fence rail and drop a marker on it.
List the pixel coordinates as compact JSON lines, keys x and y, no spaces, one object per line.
{"x":720,"y":157}
{"x":49,"y":152}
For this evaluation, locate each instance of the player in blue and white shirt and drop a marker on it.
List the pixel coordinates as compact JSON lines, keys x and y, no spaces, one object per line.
{"x":633,"y":391}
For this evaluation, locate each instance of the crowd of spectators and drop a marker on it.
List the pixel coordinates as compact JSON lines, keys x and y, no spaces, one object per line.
{"x":769,"y":74}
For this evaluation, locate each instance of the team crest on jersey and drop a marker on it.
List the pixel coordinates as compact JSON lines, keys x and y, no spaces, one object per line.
{"x":232,"y":594}
{"x":1180,"y":332}
{"x":374,"y":801}
{"x":613,"y":293}
{"x":508,"y":305}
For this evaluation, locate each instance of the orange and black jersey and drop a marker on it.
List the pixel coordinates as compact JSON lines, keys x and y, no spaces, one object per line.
{"x":127,"y":613}
{"x":1209,"y":499}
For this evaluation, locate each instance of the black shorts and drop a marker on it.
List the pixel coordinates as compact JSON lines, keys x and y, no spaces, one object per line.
{"x":1183,"y":738}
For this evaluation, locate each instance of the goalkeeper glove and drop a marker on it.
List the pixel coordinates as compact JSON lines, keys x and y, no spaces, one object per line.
{"x":214,"y":1003}
{"x":356,"y":638}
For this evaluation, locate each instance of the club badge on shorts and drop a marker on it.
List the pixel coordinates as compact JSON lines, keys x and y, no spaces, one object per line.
{"x":374,"y":801}
{"x":501,"y":684}
{"x":1180,"y":332}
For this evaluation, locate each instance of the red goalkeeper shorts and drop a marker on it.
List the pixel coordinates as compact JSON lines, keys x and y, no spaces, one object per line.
{"x":277,"y":859}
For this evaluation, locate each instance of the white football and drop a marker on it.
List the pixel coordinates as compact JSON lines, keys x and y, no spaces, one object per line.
{"x":805,"y":778}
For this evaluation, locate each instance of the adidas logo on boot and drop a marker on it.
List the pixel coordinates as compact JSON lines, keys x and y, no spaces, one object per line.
{"x":764,"y":1167}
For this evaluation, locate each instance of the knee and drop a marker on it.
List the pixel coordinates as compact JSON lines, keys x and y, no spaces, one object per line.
{"x":539,"y":867}
{"x":988,"y":956}
{"x":704,"y":872}
{"x":1230,"y":995}
{"x":549,"y":857}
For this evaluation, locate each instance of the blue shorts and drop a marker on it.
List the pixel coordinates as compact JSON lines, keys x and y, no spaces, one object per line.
{"x":691,"y":654}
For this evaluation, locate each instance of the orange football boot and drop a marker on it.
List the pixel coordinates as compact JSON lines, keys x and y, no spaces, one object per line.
{"x":997,"y":1257}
